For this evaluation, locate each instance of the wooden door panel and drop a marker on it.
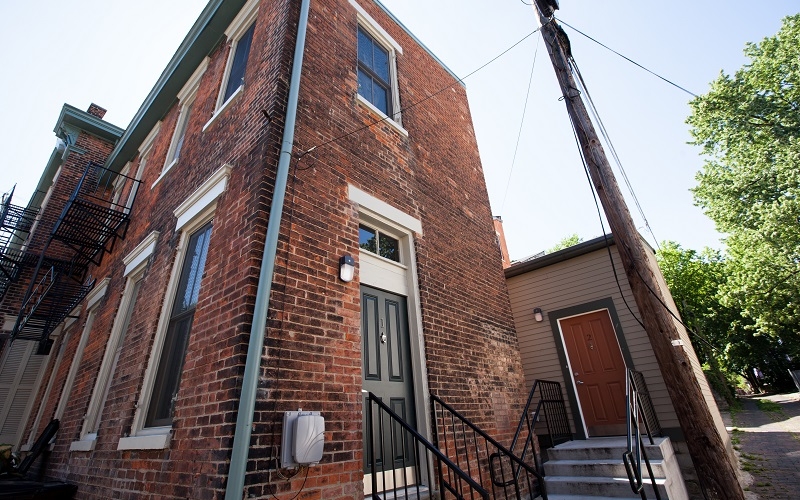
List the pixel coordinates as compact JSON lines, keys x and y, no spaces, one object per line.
{"x":598,"y":371}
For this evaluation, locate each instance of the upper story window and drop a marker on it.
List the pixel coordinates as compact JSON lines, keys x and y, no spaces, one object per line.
{"x":186,"y":99}
{"x":374,"y":241}
{"x":238,"y":63}
{"x":376,"y":67}
{"x":373,"y":72}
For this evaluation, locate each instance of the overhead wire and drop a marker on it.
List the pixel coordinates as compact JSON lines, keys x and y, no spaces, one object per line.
{"x":626,"y":58}
{"x":573,"y":67}
{"x":607,"y":139}
{"x":521,"y":124}
{"x":415,"y":104}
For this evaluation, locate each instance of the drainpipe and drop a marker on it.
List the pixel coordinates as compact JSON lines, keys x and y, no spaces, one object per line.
{"x":244,"y":418}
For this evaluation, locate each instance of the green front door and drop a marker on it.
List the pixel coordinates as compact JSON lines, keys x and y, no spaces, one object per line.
{"x":386,"y":358}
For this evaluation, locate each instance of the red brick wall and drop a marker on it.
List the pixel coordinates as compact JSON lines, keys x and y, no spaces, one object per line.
{"x":313,"y":341}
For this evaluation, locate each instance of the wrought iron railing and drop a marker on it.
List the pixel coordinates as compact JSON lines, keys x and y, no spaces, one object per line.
{"x":401,"y":463}
{"x":551,"y":409}
{"x":640,"y":410}
{"x":95,"y":216}
{"x":490,"y":464}
{"x":15,"y":225}
{"x":97,"y":213}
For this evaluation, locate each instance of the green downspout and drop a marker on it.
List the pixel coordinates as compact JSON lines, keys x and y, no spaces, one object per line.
{"x":244,"y":418}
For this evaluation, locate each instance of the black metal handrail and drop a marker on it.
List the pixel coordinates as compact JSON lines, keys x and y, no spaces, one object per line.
{"x":638,"y":402}
{"x":419,"y":458}
{"x":491,"y":464}
{"x":551,"y":408}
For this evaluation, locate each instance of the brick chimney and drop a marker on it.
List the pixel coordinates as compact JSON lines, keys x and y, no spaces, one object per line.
{"x":501,"y":240}
{"x":96,"y":110}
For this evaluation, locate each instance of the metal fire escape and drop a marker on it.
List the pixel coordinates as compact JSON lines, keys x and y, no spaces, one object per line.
{"x":15,"y":225}
{"x":94,"y":217}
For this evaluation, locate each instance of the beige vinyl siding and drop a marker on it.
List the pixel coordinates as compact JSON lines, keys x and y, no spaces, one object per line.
{"x":580,"y":280}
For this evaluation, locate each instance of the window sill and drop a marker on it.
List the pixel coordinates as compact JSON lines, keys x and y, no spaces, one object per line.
{"x":382,"y":115}
{"x":82,"y":445}
{"x":155,"y":441}
{"x":224,"y":107}
{"x":164,"y":172}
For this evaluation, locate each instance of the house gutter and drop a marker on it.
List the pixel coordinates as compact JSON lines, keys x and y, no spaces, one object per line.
{"x":244,"y":417}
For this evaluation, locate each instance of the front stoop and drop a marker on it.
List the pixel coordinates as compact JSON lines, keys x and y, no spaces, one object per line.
{"x":593,"y":469}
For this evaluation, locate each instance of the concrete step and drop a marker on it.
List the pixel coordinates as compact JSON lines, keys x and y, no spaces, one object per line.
{"x":597,"y":468}
{"x":607,"y":449}
{"x":583,"y":497}
{"x":593,"y":487}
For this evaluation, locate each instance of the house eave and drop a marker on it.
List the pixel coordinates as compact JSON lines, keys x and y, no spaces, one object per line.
{"x":559,"y":256}
{"x":202,"y":38}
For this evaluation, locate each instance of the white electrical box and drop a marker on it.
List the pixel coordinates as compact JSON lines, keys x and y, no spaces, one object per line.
{"x":303,"y":438}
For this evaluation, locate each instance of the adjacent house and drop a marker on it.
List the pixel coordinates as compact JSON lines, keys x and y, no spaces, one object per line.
{"x":578,"y":324}
{"x":133,"y":278}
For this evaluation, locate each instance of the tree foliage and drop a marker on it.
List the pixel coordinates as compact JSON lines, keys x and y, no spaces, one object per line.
{"x":724,"y":338}
{"x":566,"y":242}
{"x":748,"y":126}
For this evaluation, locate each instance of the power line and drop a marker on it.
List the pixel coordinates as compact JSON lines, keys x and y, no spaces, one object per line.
{"x":413,"y":105}
{"x":521,"y":123}
{"x":596,"y":115}
{"x":627,"y":58}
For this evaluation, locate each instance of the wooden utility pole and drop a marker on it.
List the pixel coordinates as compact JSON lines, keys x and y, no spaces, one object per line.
{"x":711,"y":460}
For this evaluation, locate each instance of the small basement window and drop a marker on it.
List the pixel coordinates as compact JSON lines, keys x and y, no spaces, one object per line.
{"x":379,"y":243}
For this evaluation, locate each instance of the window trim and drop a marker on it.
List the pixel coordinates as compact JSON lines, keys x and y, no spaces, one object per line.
{"x":238,"y":27}
{"x":380,"y":36}
{"x":197,"y":210}
{"x":186,"y":98}
{"x":135,"y":264}
{"x":92,"y":301}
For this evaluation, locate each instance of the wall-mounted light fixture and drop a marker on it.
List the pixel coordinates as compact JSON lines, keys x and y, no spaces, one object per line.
{"x":537,"y":314}
{"x":347,"y":268}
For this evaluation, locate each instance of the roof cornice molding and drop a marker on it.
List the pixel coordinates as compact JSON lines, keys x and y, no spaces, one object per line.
{"x":70,"y":115}
{"x":198,"y":43}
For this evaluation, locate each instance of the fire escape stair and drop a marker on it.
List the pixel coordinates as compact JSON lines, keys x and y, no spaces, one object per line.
{"x":15,"y":224}
{"x":88,"y":227}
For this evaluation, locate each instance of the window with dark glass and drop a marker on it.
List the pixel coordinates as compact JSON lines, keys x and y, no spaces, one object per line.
{"x":170,"y":366}
{"x":240,"y":55}
{"x":373,"y":72}
{"x":374,"y":241}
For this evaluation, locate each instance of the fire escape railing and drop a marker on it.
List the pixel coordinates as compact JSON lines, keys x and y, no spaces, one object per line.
{"x":15,"y":225}
{"x":493,"y":466}
{"x":640,"y":407}
{"x":96,"y":214}
{"x":401,"y":463}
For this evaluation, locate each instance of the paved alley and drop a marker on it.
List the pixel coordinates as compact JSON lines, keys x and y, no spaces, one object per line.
{"x":766,"y":434}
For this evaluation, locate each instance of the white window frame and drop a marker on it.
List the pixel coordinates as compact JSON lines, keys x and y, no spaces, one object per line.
{"x":191,"y":215}
{"x":92,"y":301}
{"x":238,"y":27}
{"x":135,"y":264}
{"x":368,"y":24}
{"x":186,"y":98}
{"x":63,"y":332}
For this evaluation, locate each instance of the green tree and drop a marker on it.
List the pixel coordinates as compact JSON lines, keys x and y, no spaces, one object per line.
{"x":566,"y":242}
{"x":748,"y":126}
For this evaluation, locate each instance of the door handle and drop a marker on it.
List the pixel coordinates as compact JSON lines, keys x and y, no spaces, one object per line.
{"x":578,"y":382}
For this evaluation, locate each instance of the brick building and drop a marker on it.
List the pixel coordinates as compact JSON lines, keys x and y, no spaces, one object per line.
{"x":141,"y":350}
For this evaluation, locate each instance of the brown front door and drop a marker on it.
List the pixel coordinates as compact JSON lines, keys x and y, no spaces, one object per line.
{"x":598,"y":371}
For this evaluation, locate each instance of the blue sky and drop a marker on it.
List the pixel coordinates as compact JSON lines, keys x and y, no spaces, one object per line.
{"x":111,"y":53}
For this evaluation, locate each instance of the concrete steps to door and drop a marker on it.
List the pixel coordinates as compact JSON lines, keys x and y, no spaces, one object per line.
{"x":594,"y":469}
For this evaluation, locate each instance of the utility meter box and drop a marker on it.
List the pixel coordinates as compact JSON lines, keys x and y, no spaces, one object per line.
{"x":303,"y":438}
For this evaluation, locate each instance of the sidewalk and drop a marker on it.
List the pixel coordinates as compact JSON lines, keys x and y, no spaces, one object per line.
{"x":767,"y":440}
